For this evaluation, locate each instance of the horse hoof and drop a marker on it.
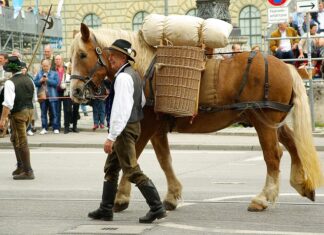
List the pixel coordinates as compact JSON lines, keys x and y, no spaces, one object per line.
{"x":253,"y":207}
{"x":169,"y":206}
{"x":120,"y":207}
{"x":310,"y":195}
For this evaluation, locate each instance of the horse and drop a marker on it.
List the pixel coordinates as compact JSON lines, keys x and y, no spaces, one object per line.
{"x":283,"y":86}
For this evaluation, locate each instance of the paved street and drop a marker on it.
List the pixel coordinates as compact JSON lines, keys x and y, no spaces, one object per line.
{"x":220,"y":173}
{"x":217,"y":188}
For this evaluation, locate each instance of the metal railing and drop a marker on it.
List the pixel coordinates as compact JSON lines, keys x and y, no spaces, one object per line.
{"x":22,"y":33}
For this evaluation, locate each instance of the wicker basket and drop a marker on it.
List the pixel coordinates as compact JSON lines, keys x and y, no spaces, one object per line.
{"x":177,"y":90}
{"x":193,"y":57}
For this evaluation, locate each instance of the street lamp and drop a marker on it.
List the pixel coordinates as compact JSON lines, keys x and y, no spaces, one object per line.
{"x":214,"y":9}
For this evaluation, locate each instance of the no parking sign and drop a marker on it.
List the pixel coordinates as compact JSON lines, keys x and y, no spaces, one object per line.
{"x":277,"y":2}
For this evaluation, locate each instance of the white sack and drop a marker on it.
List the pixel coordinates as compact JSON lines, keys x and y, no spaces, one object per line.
{"x":152,"y":29}
{"x":182,"y":30}
{"x":215,"y":33}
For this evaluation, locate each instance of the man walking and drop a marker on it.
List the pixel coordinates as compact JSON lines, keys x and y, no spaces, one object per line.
{"x":125,"y":104}
{"x":19,"y":94}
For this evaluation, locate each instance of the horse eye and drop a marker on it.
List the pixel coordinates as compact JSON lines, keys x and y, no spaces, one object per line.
{"x":83,"y":55}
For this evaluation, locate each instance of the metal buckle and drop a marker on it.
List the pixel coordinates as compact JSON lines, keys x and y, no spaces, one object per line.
{"x":98,"y":50}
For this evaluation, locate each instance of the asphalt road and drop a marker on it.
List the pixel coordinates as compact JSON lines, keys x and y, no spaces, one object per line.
{"x":217,"y":188}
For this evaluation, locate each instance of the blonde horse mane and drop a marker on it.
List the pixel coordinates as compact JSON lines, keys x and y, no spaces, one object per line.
{"x":303,"y":138}
{"x":105,"y":37}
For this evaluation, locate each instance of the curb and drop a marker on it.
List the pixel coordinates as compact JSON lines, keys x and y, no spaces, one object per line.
{"x":149,"y":146}
{"x":222,"y":133}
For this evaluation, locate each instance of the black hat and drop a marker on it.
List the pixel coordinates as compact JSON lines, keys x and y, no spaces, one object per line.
{"x":13,"y":65}
{"x":124,"y":47}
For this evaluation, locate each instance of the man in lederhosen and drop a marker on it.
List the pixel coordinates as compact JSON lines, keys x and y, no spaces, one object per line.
{"x":124,"y":113}
{"x":19,"y":94}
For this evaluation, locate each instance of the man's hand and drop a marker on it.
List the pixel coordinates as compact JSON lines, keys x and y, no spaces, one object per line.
{"x":2,"y":124}
{"x":295,"y":46}
{"x":108,"y":146}
{"x":4,"y":116}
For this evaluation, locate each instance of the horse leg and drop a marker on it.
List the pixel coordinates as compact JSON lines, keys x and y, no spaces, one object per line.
{"x":297,"y":174}
{"x":272,"y":153}
{"x":162,"y":150}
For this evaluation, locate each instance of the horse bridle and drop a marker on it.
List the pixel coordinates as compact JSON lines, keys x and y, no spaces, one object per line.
{"x":89,"y":85}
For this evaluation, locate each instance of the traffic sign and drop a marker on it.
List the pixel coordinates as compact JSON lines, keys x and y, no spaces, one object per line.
{"x":277,"y":15}
{"x":307,"y":6}
{"x":277,"y":2}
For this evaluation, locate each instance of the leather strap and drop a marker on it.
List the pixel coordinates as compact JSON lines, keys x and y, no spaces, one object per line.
{"x":246,"y":74}
{"x":266,"y":77}
{"x":149,"y":77}
{"x":248,"y":105}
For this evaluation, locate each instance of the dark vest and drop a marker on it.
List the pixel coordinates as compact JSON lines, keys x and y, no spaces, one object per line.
{"x":24,"y":90}
{"x":137,"y":111}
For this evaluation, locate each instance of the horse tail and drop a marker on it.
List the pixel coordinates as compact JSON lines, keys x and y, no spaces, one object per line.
{"x":302,"y":129}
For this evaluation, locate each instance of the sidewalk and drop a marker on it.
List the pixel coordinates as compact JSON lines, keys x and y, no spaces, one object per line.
{"x":231,"y":138}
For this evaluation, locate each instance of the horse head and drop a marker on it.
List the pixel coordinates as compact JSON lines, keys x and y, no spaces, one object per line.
{"x":89,"y":66}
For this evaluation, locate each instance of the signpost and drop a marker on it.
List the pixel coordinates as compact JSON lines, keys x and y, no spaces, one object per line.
{"x":278,"y":15}
{"x":307,"y":6}
{"x":277,"y":3}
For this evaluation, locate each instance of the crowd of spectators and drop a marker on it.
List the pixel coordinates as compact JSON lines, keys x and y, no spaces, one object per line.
{"x":53,"y":78}
{"x":295,"y":49}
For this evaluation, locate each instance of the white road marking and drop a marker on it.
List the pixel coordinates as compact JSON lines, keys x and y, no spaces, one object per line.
{"x":232,"y":231}
{"x":217,"y":199}
{"x":253,"y":159}
{"x":41,"y":151}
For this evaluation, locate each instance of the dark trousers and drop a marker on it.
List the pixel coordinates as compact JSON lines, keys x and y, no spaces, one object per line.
{"x":71,"y":113}
{"x":124,"y":157}
{"x":52,"y":105}
{"x":59,"y":107}
{"x":285,"y":55}
{"x":19,"y":122}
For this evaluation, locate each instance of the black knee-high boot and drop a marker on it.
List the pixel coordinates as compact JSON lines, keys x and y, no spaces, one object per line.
{"x":27,"y":173}
{"x":157,"y":210}
{"x":105,"y":210}
{"x":19,"y":168}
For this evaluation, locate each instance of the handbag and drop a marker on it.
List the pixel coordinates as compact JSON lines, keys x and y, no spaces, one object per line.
{"x":41,"y":93}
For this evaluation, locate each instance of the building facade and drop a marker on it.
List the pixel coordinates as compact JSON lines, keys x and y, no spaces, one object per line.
{"x":249,"y":15}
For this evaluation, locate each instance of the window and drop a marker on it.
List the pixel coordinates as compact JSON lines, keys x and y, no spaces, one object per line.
{"x":92,"y":20}
{"x":192,"y":12}
{"x":250,"y":25}
{"x":138,"y":20}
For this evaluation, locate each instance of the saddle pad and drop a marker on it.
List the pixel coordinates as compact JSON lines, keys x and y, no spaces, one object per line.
{"x":208,"y":83}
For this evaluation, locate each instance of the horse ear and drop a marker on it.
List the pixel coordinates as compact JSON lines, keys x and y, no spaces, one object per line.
{"x":85,"y":32}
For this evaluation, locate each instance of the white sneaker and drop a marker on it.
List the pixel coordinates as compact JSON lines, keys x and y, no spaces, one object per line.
{"x":30,"y":133}
{"x":43,"y":131}
{"x":56,"y":132}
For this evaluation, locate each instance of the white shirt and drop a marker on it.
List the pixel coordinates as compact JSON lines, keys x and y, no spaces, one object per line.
{"x":3,"y":77}
{"x":122,"y":104}
{"x":9,"y":94}
{"x":284,"y":43}
{"x":320,"y":18}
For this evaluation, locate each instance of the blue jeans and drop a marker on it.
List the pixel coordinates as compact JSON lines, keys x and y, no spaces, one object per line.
{"x":98,"y":107}
{"x":53,"y":107}
{"x":83,"y":108}
{"x":285,"y":55}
